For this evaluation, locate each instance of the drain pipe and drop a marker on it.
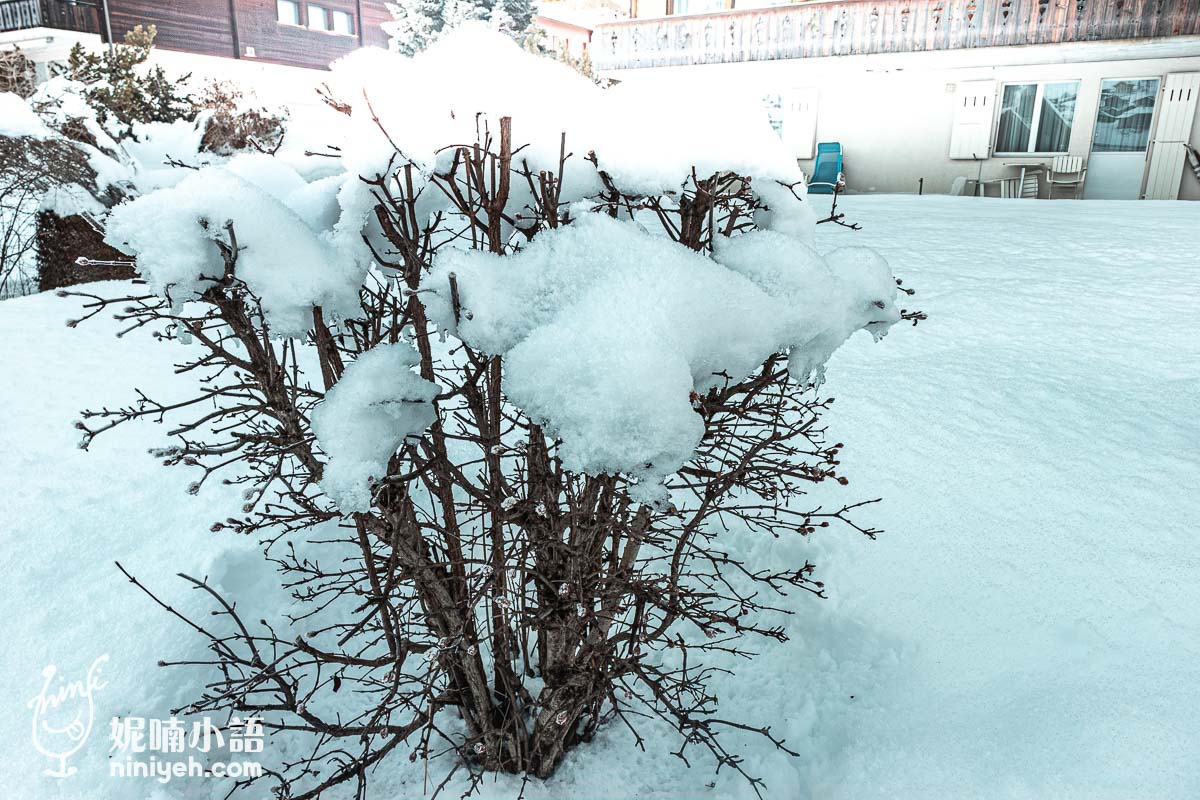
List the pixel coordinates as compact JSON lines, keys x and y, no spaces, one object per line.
{"x":233,"y":29}
{"x":107,"y":25}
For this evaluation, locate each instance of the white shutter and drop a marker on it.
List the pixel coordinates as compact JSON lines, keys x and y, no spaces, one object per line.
{"x":800,"y":121}
{"x":972,"y":132}
{"x":1176,"y":110}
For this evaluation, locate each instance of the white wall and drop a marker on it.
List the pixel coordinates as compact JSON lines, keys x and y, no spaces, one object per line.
{"x":893,"y":113}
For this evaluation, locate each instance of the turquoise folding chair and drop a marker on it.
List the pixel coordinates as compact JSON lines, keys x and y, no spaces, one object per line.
{"x":827,"y":174}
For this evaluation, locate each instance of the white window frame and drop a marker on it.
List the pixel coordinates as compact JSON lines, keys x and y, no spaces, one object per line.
{"x":1036,"y":123}
{"x":322,"y":12}
{"x":346,"y":15}
{"x":295,"y":4}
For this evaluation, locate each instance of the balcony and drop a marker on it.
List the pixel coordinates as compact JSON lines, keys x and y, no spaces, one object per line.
{"x":81,"y":17}
{"x":848,"y":27}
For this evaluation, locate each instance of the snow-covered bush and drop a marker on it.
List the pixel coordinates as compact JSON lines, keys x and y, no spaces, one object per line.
{"x":20,"y":192}
{"x":508,"y":382}
{"x":417,"y":24}
{"x":125,"y":91}
{"x":52,"y":158}
{"x":112,"y":129}
{"x":18,"y":74}
{"x":233,"y":123}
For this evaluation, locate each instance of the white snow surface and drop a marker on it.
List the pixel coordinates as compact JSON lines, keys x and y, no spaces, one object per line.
{"x":785,"y":210}
{"x":17,"y":119}
{"x":1027,"y":626}
{"x":366,"y":416}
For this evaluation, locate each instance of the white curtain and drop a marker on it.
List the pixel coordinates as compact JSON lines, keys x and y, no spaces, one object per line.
{"x":1016,"y":118}
{"x":1057,"y":116}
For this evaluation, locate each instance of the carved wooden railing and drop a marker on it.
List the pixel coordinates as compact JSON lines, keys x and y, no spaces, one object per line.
{"x":17,"y":15}
{"x":844,"y":27}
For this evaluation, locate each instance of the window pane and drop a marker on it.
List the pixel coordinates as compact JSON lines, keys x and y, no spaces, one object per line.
{"x":697,"y":6}
{"x":287,"y":11}
{"x":1058,"y":112}
{"x":1016,"y":118}
{"x":343,"y":22}
{"x":318,"y":18}
{"x":1126,"y":108}
{"x":773,"y":103}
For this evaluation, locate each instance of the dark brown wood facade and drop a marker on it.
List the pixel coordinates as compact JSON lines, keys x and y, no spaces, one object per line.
{"x":247,"y":29}
{"x":847,"y":27}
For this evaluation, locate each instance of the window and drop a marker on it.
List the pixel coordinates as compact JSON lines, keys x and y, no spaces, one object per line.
{"x":697,"y":6}
{"x":773,"y":103}
{"x":318,"y":18}
{"x":793,"y":116}
{"x":1126,"y":108}
{"x":287,"y":11}
{"x":343,"y":22}
{"x":1036,"y":117}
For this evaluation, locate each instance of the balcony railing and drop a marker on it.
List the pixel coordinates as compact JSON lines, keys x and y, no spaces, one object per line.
{"x":846,"y":27}
{"x":17,"y":15}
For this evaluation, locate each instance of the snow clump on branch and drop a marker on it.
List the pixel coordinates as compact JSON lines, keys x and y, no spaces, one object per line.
{"x":364,"y":418}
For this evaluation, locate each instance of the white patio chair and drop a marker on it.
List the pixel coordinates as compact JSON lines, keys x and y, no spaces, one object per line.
{"x":1008,"y":187}
{"x":1067,"y":171}
{"x":1024,"y":185}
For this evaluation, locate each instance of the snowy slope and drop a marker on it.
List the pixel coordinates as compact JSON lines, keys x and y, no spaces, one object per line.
{"x":1027,"y":627}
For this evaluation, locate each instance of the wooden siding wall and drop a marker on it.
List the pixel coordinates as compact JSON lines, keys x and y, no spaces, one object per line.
{"x":375,"y":13}
{"x":197,"y":26}
{"x":844,"y":27}
{"x":204,"y":26}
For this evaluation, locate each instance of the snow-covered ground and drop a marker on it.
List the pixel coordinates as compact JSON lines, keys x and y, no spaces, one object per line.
{"x":1038,"y":446}
{"x":1028,"y":625}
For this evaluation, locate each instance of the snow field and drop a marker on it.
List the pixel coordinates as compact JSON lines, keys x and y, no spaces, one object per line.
{"x":1026,"y":627}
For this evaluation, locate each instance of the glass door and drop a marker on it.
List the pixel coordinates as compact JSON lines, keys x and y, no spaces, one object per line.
{"x":1118,"y":160}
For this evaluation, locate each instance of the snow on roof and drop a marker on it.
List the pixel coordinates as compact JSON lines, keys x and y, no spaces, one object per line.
{"x":585,"y":18}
